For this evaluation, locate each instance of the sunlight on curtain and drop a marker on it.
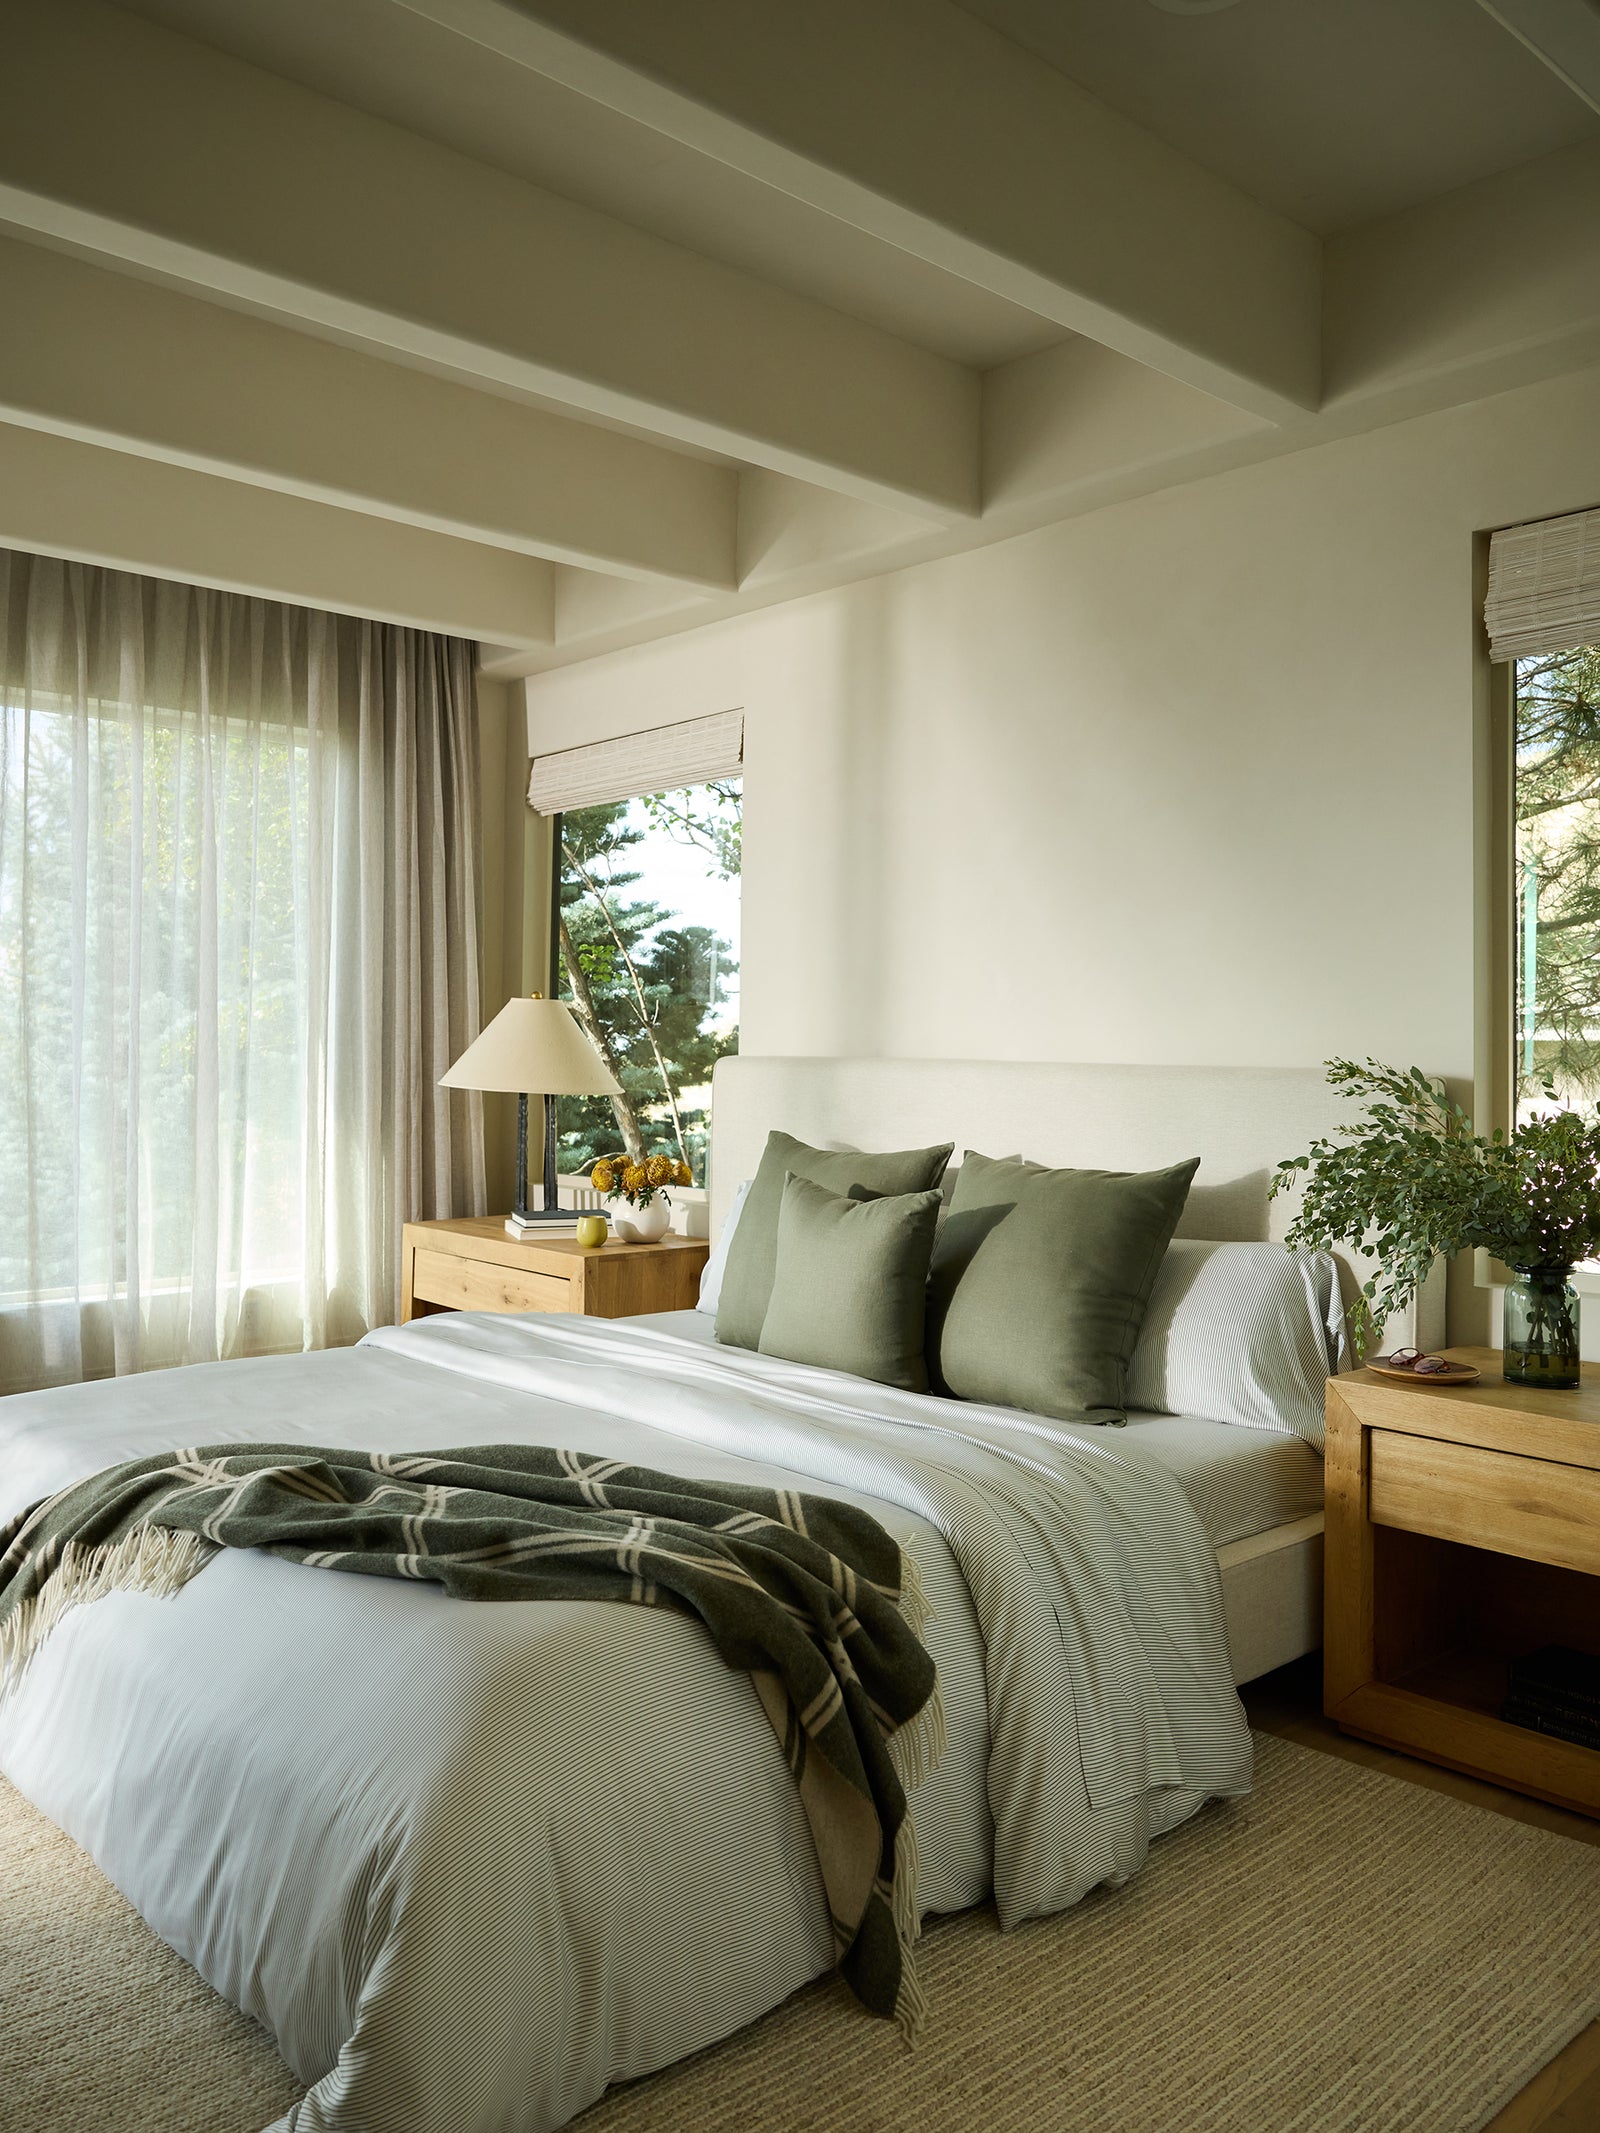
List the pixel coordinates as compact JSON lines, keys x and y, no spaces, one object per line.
{"x":238,"y":946}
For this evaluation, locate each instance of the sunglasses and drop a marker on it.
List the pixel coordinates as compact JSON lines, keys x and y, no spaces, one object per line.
{"x":1420,"y":1365}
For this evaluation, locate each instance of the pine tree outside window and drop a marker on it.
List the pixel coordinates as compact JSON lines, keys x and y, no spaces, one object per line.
{"x":1555,"y":879}
{"x":647,"y":945}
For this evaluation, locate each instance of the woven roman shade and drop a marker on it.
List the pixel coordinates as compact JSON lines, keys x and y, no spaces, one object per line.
{"x":659,"y":760}
{"x":1544,"y":586}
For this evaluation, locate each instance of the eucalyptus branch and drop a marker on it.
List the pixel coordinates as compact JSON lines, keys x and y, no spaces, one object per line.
{"x":1410,"y":1182}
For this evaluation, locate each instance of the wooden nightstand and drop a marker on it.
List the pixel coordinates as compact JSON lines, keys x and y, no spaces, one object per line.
{"x":472,"y":1265}
{"x":1463,"y":1527}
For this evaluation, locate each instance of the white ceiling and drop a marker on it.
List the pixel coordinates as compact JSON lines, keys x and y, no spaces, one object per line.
{"x":778,"y":236}
{"x":399,"y":66}
{"x":1334,"y":112}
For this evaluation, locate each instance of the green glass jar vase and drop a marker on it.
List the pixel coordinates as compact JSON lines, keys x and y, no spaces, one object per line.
{"x":1541,"y":1329}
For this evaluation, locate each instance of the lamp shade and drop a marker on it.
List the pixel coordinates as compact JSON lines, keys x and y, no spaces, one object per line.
{"x":533,"y":1046}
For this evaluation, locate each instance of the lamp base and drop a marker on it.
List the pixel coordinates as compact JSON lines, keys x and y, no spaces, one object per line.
{"x":525,"y":1221}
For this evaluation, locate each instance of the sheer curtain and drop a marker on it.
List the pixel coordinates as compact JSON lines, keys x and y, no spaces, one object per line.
{"x":238,"y":946}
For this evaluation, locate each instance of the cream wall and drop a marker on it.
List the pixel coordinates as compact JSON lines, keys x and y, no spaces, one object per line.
{"x":1190,"y":778}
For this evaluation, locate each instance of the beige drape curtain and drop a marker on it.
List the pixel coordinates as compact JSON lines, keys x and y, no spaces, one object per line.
{"x":238,"y":946}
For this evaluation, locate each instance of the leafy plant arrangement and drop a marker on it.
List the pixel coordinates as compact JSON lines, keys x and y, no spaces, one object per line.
{"x":638,"y":1183}
{"x":1411,"y":1182}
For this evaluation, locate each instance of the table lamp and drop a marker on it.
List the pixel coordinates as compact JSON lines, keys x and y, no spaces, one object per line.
{"x":533,"y":1044}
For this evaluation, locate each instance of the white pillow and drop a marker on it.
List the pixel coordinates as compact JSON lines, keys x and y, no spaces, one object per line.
{"x":1246,"y":1333}
{"x":711,"y":1274}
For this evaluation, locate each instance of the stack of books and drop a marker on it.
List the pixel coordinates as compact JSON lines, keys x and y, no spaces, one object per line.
{"x":1556,"y":1691}
{"x":561,"y":1224}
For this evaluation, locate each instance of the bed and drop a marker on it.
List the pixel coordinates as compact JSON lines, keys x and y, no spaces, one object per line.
{"x":470,"y":1864}
{"x":1243,"y":1120}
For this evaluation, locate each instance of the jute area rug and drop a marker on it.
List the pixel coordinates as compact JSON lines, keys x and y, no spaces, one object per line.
{"x":1340,"y":1953}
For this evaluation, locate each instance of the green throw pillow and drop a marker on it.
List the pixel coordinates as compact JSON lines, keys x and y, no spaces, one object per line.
{"x":1039,"y":1285}
{"x":752,"y":1253}
{"x":850,"y":1286}
{"x":987,"y":1187}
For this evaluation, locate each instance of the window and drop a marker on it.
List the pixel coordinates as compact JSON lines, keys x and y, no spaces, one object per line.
{"x":647,"y":894}
{"x":1542,"y":615}
{"x":237,"y":949}
{"x":1555,"y":878}
{"x":151,"y":962}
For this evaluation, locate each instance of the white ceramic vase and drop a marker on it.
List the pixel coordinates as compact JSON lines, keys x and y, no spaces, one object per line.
{"x":643,"y":1225}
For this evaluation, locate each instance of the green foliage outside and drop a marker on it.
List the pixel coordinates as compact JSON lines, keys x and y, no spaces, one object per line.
{"x":1557,"y":922}
{"x":649,"y":990}
{"x":1411,"y":1182}
{"x":151,"y":1012}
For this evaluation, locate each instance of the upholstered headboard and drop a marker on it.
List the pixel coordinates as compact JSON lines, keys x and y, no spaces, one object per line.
{"x":1240,"y":1121}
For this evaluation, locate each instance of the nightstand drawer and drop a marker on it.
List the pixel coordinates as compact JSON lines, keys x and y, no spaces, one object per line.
{"x":480,"y":1285}
{"x":1534,"y":1508}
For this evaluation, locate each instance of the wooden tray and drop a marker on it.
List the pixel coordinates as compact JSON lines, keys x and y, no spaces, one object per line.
{"x":1457,"y":1374}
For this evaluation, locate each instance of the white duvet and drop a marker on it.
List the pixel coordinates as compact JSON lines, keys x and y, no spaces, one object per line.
{"x":470,"y":1863}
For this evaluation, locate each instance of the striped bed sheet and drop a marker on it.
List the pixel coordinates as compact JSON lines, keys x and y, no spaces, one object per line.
{"x":1239,"y":1481}
{"x":471,"y":1864}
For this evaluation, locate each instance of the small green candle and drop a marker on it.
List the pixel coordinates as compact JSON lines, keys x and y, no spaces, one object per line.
{"x":592,"y":1231}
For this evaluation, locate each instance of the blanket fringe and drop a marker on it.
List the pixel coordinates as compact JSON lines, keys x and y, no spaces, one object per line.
{"x":915,"y":1749}
{"x":915,"y":1607}
{"x":911,"y":2006}
{"x":150,"y":1559}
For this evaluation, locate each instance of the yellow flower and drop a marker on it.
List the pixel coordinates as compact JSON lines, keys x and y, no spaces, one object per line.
{"x":603,"y":1177}
{"x":682,"y":1174}
{"x":635,"y":1179}
{"x":659,"y":1169}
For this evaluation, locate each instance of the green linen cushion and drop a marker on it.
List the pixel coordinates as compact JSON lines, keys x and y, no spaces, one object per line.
{"x":850,"y":1283}
{"x":986,"y":1188}
{"x":1039,"y":1285}
{"x":752,"y":1254}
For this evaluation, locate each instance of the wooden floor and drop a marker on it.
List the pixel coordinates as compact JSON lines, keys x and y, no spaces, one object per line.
{"x":1565,"y":2098}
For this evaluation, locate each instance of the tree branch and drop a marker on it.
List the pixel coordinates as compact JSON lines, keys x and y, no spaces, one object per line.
{"x":642,"y":1005}
{"x":622,"y":1105}
{"x":1550,"y":807}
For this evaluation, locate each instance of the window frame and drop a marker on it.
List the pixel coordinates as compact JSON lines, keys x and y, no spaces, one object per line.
{"x":1495,"y":1047}
{"x":696,"y":1197}
{"x":1495,"y":1065}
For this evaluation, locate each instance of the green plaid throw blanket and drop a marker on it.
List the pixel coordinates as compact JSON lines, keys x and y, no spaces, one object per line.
{"x":810,"y":1597}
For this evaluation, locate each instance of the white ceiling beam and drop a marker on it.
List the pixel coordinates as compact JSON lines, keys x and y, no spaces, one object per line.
{"x":128,"y":142}
{"x":911,"y":120}
{"x":113,"y":360}
{"x":60,"y":497}
{"x":1068,"y":430}
{"x":1492,"y":286}
{"x":1565,"y":34}
{"x":1496,"y":287}
{"x":1077,"y":424}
